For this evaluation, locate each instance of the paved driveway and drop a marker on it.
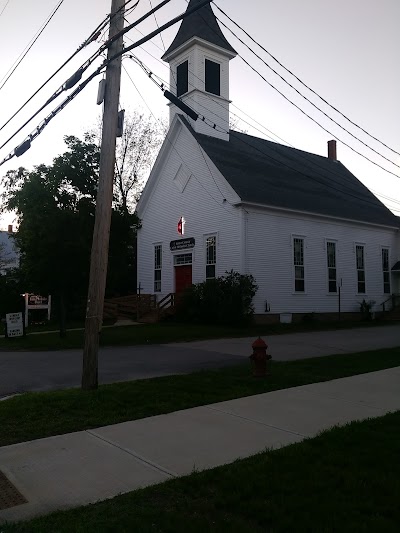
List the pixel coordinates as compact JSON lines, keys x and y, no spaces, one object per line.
{"x":33,"y":371}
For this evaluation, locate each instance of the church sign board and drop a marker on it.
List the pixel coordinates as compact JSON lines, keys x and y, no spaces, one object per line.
{"x":182,"y":244}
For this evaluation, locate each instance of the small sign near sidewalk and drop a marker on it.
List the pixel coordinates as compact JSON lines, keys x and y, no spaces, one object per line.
{"x":35,"y":301}
{"x":14,"y":325}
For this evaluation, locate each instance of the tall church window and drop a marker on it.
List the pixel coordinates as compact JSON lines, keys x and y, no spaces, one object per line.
{"x":211,"y":256}
{"x":298,"y":263}
{"x":360,"y":264}
{"x":182,"y":78}
{"x":213,"y":77}
{"x":157,"y":267}
{"x":386,"y":270}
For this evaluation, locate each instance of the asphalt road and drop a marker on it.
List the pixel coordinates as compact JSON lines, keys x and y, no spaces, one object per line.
{"x":39,"y":371}
{"x":36,"y":371}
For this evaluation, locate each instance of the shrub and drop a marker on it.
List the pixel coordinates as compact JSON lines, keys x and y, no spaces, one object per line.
{"x":224,"y":300}
{"x":366,"y":308}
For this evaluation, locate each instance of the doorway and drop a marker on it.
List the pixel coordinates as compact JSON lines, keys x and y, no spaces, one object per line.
{"x":183,"y":272}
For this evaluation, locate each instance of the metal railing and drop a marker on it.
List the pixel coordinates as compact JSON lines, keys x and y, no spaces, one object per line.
{"x":166,"y":304}
{"x":394,"y":300}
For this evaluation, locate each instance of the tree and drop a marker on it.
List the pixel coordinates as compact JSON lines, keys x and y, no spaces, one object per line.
{"x":55,"y":207}
{"x":136,"y":152}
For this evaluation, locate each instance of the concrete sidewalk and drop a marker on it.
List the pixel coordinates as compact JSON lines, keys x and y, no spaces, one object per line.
{"x":80,"y":468}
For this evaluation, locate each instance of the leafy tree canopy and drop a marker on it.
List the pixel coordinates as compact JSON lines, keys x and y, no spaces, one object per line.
{"x":55,"y":206}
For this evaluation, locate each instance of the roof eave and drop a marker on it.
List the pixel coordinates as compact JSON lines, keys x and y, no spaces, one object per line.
{"x":315,"y":214}
{"x":169,"y":56}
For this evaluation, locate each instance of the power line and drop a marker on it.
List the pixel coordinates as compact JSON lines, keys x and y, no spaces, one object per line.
{"x":155,"y":18}
{"x":4,"y":8}
{"x":22,"y":148}
{"x":209,"y":96}
{"x":304,"y":84}
{"x":78,"y":74}
{"x":344,"y":189}
{"x":312,"y":103}
{"x":316,"y":122}
{"x":26,"y":51}
{"x":253,"y":147}
{"x":295,"y":105}
{"x":88,"y":41}
{"x":176,"y":150}
{"x":92,"y":37}
{"x":187,"y":13}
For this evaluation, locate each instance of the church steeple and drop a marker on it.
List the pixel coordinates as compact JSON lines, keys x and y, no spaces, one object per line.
{"x":201,"y":24}
{"x":199,"y":70}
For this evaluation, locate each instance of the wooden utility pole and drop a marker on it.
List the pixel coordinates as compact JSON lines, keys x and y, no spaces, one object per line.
{"x":101,"y":233}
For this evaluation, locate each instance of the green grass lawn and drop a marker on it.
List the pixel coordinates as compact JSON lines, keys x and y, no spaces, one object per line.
{"x":169,"y":332}
{"x":34,"y":415}
{"x":346,"y":480}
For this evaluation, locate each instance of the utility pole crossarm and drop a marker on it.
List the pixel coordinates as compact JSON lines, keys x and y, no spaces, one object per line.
{"x":101,"y":233}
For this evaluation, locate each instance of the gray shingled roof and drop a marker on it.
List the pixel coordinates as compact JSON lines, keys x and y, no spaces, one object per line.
{"x":202,"y":24}
{"x":272,"y":174}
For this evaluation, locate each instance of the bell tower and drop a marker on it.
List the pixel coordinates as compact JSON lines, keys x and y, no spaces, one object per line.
{"x":199,"y":60}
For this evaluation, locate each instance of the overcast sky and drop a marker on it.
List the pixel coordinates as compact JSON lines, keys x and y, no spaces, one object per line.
{"x":346,"y":50}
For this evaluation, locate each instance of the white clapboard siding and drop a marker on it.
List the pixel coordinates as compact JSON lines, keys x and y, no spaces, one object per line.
{"x":201,"y":203}
{"x":214,"y":108}
{"x":269,"y":257}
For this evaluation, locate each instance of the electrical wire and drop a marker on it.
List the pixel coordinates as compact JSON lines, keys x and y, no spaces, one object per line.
{"x":55,"y":112}
{"x":264,"y":131}
{"x":304,"y":84}
{"x":4,"y":8}
{"x":177,"y":152}
{"x":314,"y":164}
{"x":294,"y":104}
{"x":310,"y":102}
{"x":344,"y":189}
{"x":155,"y":18}
{"x":14,"y":67}
{"x":78,"y":74}
{"x":92,"y":37}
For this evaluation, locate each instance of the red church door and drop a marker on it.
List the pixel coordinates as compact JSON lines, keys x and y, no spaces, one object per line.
{"x":183,"y":278}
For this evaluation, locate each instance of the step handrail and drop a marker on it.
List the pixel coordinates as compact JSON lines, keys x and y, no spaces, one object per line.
{"x":392,"y":298}
{"x":167,"y":301}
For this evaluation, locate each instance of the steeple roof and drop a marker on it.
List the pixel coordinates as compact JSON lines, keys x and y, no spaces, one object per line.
{"x":201,"y":24}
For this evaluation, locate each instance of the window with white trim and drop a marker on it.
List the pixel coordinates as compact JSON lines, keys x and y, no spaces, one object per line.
{"x":212,"y":77}
{"x":157,"y":267}
{"x":386,"y":270}
{"x":211,"y":257}
{"x":182,"y":78}
{"x":360,"y":265}
{"x":298,"y":263}
{"x":331,"y":264}
{"x":183,"y":259}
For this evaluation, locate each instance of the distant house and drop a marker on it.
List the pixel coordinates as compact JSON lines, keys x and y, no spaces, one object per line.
{"x":9,"y":254}
{"x":305,"y":227}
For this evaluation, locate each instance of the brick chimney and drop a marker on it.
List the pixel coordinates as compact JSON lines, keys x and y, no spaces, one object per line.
{"x":10,"y":228}
{"x":332,"y":150}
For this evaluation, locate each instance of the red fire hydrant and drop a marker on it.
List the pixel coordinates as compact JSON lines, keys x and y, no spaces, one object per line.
{"x":260,"y":357}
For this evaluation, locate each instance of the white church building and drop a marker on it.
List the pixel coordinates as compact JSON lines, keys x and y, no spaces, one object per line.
{"x":216,"y":200}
